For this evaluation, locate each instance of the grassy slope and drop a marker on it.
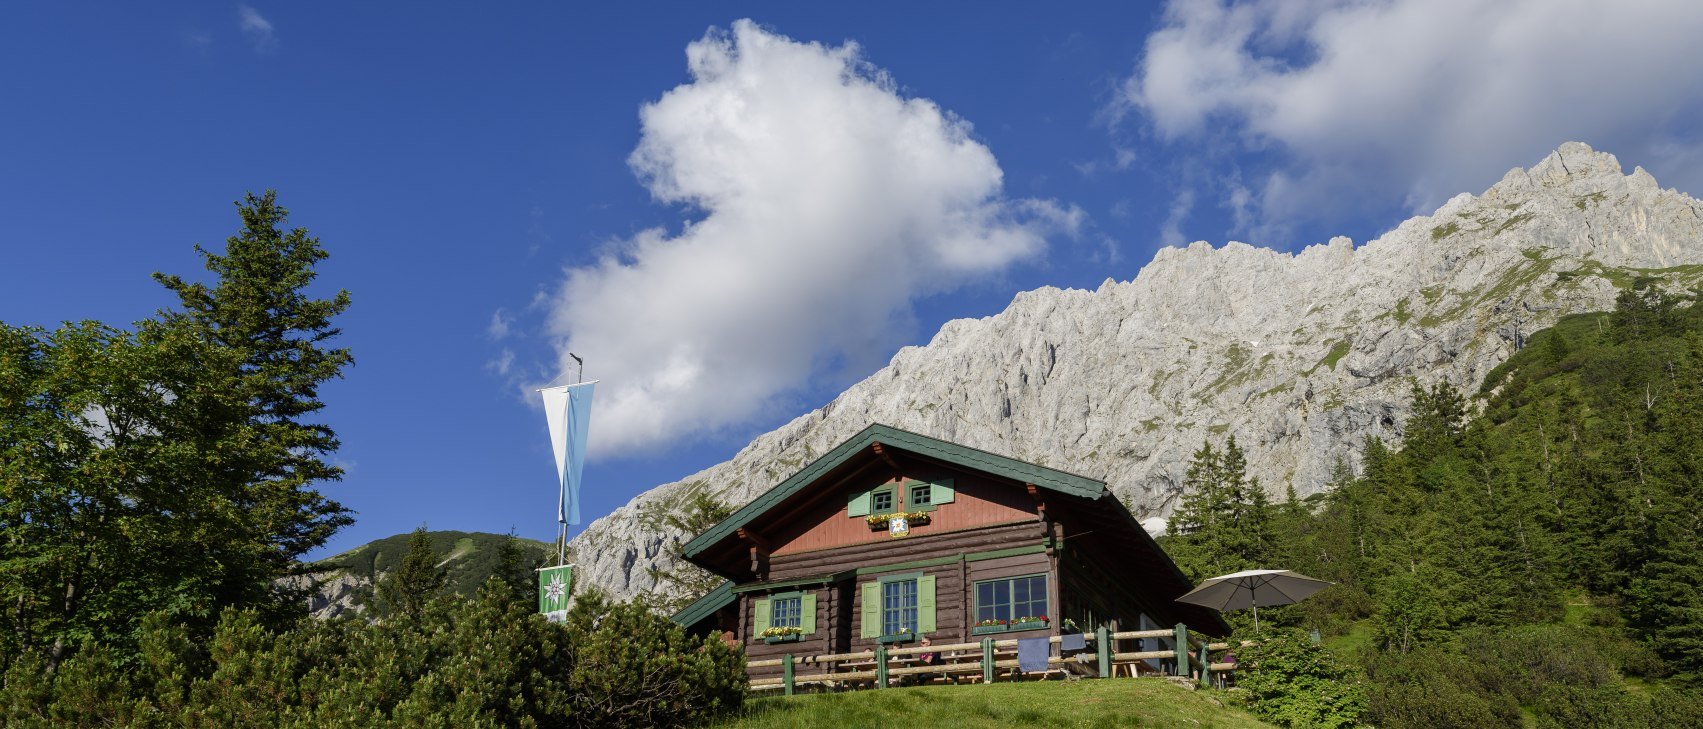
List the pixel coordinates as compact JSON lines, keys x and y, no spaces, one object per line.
{"x":1123,"y":702}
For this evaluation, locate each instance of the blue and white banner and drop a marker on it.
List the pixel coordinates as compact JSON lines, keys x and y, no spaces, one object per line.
{"x":568,"y":410}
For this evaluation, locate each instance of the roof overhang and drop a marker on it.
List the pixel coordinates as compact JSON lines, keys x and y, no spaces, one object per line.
{"x":705,"y":606}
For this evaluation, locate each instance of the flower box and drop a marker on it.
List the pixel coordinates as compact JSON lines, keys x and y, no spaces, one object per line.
{"x":879,"y":522}
{"x":790,"y":638}
{"x":989,"y":629}
{"x":1027,"y":625}
{"x":898,"y":638}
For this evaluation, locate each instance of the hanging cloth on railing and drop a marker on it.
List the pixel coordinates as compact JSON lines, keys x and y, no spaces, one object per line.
{"x":1032,"y":654}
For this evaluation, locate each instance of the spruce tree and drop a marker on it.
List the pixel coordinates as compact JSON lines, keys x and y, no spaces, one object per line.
{"x":405,"y":590}
{"x":515,"y":571}
{"x":688,"y":514}
{"x":273,"y":332}
{"x":1225,"y":520}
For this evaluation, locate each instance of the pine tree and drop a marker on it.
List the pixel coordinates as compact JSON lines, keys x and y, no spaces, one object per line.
{"x":405,"y":590}
{"x":1252,"y":542}
{"x":516,"y":572}
{"x":688,"y":514}
{"x":1225,"y":520}
{"x":1203,"y":498}
{"x":260,"y":314}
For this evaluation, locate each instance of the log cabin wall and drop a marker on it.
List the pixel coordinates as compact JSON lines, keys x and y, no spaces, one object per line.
{"x":956,"y":560}
{"x":815,"y":644}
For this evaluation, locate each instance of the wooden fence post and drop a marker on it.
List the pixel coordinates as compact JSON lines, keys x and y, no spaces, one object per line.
{"x":1205,"y":667}
{"x":1182,"y":650}
{"x":881,"y":666}
{"x":786,"y":672}
{"x":1103,"y":644}
{"x":987,"y":660}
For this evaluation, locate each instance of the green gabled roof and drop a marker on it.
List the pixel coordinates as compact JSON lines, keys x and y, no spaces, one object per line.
{"x":705,"y":606}
{"x":887,"y":435}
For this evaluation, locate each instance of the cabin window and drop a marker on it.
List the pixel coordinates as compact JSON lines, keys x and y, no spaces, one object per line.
{"x":786,"y":612}
{"x":881,"y":501}
{"x":796,"y":610}
{"x":1011,"y":599}
{"x":898,"y":607}
{"x":921,"y":495}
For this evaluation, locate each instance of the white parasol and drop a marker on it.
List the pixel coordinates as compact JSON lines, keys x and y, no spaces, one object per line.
{"x":1253,"y":588}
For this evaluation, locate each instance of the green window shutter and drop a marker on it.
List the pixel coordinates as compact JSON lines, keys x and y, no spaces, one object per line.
{"x":942,"y":492}
{"x":871,"y":610}
{"x":807,"y":613}
{"x":858,"y":504}
{"x":760,"y":616}
{"x":925,"y":604}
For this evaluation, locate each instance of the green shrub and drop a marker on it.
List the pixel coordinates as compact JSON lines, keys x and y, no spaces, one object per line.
{"x":487,"y":661}
{"x":633,"y":668}
{"x":1564,"y":676}
{"x":1294,"y":682}
{"x":1433,"y":687}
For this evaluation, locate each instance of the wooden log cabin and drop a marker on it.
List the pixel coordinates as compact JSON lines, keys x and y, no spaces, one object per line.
{"x":894,"y":535}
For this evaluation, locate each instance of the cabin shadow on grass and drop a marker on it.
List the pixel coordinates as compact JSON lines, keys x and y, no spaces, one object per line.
{"x":1139,"y":702}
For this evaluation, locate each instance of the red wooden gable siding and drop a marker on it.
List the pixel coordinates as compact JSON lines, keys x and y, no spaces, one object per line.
{"x":980,"y":501}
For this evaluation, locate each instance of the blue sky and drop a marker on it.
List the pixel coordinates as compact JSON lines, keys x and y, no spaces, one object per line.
{"x":473,"y":173}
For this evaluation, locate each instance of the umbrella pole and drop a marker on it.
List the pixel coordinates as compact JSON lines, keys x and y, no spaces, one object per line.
{"x":1256,"y":619}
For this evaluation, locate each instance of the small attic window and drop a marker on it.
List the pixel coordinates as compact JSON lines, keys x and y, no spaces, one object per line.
{"x":922,"y":494}
{"x":881,"y":502}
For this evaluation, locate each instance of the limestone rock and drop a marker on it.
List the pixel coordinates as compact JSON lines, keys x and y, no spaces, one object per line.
{"x":331,"y":594}
{"x":1300,"y":356}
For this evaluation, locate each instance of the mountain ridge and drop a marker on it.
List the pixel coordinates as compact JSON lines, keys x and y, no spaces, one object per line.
{"x":1299,"y":355}
{"x":342,"y":585}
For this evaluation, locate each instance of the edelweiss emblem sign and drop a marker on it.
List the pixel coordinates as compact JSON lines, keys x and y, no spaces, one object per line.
{"x":898,"y":526}
{"x":554,"y":584}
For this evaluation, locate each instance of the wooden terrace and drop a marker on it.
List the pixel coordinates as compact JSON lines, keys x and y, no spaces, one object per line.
{"x":991,"y":660}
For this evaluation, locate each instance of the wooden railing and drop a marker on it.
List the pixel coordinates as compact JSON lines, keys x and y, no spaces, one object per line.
{"x":877,"y":667}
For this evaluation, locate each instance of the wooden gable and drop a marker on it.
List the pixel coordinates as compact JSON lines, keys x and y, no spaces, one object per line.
{"x":835,"y":522}
{"x":878,"y":454}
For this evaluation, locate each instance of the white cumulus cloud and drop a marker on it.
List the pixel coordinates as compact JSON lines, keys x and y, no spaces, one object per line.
{"x":823,"y":203}
{"x":1415,"y":100}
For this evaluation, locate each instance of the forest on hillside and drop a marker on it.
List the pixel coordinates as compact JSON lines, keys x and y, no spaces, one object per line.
{"x":1528,"y":553}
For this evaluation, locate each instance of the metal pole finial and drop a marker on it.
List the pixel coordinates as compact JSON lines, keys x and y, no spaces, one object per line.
{"x":581,"y":365}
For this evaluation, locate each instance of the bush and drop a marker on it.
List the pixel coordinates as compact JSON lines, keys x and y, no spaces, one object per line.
{"x":1566,"y":676}
{"x":486,"y":661}
{"x":633,"y":668}
{"x":1294,"y":682}
{"x":1433,"y":688}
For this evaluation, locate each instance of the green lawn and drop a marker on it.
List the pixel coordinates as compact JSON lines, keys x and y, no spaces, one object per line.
{"x":1122,"y":702}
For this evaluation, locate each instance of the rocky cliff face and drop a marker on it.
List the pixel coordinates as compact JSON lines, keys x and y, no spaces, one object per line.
{"x":1300,"y":356}
{"x":332,"y":594}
